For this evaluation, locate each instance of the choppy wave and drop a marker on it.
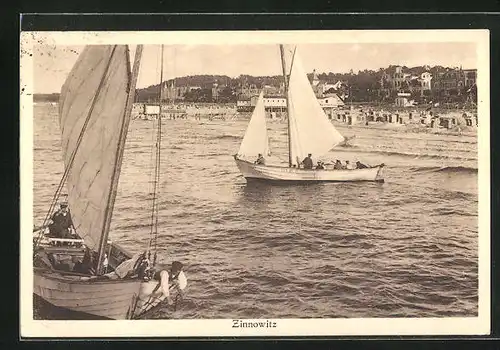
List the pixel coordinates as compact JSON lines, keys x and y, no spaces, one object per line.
{"x":407,"y":247}
{"x":204,"y":155}
{"x":347,"y":145}
{"x":447,"y":169}
{"x":419,"y":155}
{"x":463,"y":140}
{"x":225,"y":136}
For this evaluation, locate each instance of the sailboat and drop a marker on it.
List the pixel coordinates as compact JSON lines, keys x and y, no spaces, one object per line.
{"x":111,"y":283}
{"x":309,"y":132}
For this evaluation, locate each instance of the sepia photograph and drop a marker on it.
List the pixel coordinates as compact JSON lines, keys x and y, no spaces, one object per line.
{"x":255,"y":183}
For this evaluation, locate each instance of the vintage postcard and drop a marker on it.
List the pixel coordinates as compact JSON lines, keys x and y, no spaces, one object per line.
{"x":263,"y":183}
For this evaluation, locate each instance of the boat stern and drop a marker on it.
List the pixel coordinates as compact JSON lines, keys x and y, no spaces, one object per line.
{"x":380,"y":176}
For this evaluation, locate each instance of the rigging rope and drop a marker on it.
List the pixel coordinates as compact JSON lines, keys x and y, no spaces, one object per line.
{"x":152,"y":180}
{"x":57,"y":194}
{"x":155,"y":207}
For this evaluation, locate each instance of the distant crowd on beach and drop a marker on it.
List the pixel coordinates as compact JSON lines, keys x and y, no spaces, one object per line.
{"x":414,"y":119}
{"x":436,"y":118}
{"x":211,"y":111}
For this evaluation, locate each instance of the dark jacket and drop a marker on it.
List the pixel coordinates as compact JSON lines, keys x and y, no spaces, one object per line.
{"x":60,"y":225}
{"x":261,"y":161}
{"x":308,"y":163}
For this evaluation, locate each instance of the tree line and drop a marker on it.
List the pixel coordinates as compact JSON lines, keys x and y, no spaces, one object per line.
{"x":362,"y":86}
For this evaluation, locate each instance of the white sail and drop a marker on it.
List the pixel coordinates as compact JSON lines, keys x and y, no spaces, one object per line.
{"x":310,"y":129}
{"x":93,"y":99}
{"x":256,"y":139}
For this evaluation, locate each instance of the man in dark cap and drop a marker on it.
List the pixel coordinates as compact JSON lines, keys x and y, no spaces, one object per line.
{"x":61,"y":223}
{"x":307,"y":162}
{"x":338,"y":165}
{"x":260,"y":160}
{"x":360,"y":165}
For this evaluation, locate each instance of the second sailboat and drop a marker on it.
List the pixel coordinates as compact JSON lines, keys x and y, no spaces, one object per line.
{"x":309,"y":132}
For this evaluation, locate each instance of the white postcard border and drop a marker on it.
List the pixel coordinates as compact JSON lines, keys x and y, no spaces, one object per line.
{"x":224,"y":327}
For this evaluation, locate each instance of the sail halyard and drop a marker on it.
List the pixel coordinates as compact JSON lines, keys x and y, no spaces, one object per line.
{"x":155,"y":208}
{"x":256,"y":138}
{"x":310,"y":129}
{"x":120,"y":151}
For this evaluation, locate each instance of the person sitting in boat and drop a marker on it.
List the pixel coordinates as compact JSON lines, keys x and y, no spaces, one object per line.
{"x":349,"y":166}
{"x":260,"y":160}
{"x":320,"y":166}
{"x":338,"y":165}
{"x":61,"y":223}
{"x":360,"y":165}
{"x":307,"y":162}
{"x":105,"y":263}
{"x":43,"y":259}
{"x":78,"y":266}
{"x":88,"y":262}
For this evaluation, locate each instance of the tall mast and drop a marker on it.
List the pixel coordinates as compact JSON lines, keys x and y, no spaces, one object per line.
{"x":161,"y":82}
{"x":173,"y":81}
{"x":283,"y":65}
{"x":119,"y":158}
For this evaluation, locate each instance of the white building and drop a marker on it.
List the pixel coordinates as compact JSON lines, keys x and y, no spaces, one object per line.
{"x":425,"y":80}
{"x":274,"y":102}
{"x":244,"y":104}
{"x":330,"y":101}
{"x":402,"y":100}
{"x":277,"y":103}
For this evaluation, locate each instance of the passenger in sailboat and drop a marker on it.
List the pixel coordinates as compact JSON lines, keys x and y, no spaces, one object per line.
{"x":360,"y":165}
{"x":105,"y":263}
{"x":338,"y":165}
{"x":61,"y":223}
{"x":320,"y":166}
{"x":78,"y":265}
{"x":88,"y":263}
{"x":42,"y":259}
{"x":260,"y":160}
{"x":307,"y":162}
{"x":349,"y":166}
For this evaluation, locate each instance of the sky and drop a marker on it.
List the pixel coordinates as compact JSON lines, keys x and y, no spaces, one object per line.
{"x":51,"y":64}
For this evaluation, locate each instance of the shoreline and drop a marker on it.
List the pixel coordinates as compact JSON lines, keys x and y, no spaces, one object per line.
{"x":217,"y":114}
{"x":411,"y":128}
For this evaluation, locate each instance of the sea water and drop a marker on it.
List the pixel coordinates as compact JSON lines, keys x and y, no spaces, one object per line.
{"x":407,"y":247}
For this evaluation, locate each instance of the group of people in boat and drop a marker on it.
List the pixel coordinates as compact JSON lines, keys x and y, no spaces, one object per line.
{"x":61,"y":226}
{"x":349,"y":166}
{"x":308,"y":163}
{"x":69,"y":262}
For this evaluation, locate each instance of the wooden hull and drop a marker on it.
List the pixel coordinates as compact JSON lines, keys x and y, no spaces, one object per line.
{"x":68,"y":295}
{"x":112,"y":299}
{"x":284,"y":174}
{"x":43,"y":310}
